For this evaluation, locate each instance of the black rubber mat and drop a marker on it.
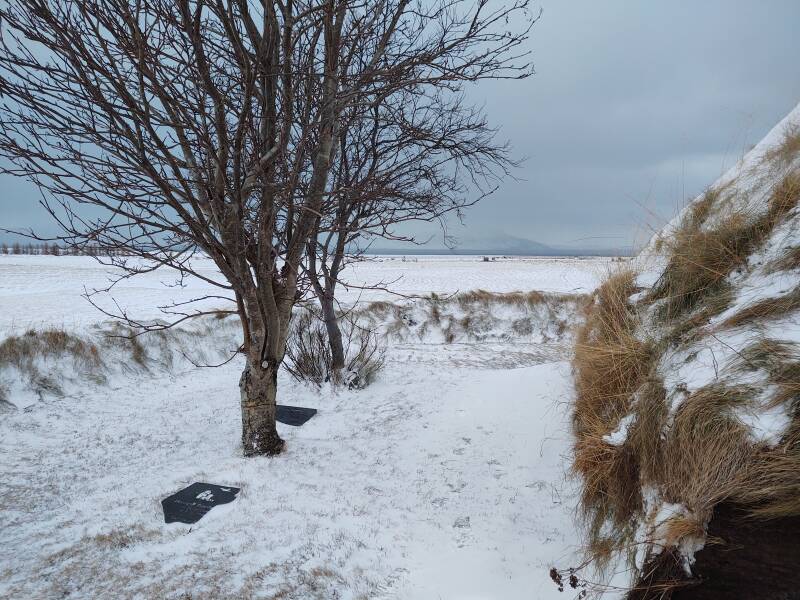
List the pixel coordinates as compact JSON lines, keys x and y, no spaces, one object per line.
{"x":294,"y":415}
{"x":192,"y":503}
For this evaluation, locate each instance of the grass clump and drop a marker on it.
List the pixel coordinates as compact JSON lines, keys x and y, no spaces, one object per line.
{"x":467,"y":300}
{"x":27,"y":354}
{"x":706,"y":448}
{"x":790,"y":261}
{"x":700,"y":210}
{"x":769,"y":308}
{"x":781,"y":362}
{"x":701,"y":259}
{"x":788,"y":150}
{"x":611,"y":364}
{"x":24,"y":350}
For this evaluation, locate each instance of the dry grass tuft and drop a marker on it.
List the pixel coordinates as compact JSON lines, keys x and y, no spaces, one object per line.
{"x":772,"y":480}
{"x":701,"y":259}
{"x":790,"y":261}
{"x":683,"y":527}
{"x":688,"y":329}
{"x":644,"y":436}
{"x":706,"y":448}
{"x":699,"y":263}
{"x":785,"y":153}
{"x":22,"y":351}
{"x":610,"y":362}
{"x":610,"y":366}
{"x":781,"y":362}
{"x":700,"y":210}
{"x":769,"y":308}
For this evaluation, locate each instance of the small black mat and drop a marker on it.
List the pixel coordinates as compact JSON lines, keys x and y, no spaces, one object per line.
{"x":294,"y":415}
{"x":192,"y":503}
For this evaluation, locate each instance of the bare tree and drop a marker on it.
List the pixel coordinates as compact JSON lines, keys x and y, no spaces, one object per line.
{"x":420,"y":155}
{"x":212,"y":126}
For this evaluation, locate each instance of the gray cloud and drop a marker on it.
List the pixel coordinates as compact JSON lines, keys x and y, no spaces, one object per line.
{"x":635,"y":107}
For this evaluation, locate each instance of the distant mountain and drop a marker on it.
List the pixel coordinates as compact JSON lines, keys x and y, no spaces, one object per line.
{"x":505,"y":244}
{"x":502,"y":244}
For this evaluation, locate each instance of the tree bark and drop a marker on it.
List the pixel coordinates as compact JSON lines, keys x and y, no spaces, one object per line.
{"x":334,"y":332}
{"x":258,"y":386}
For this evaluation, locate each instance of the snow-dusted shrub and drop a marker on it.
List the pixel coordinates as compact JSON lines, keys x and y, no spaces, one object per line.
{"x":308,"y":355}
{"x":365,"y":353}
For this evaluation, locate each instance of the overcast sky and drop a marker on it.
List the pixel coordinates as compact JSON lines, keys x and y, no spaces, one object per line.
{"x":635,"y":106}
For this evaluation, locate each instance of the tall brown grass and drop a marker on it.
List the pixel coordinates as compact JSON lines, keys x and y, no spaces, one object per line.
{"x":23,"y":350}
{"x":785,"y":153}
{"x":610,"y":364}
{"x":691,"y":447}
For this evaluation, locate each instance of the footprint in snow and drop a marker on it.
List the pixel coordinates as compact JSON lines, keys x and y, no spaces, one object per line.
{"x":461,"y":523}
{"x":456,"y":488}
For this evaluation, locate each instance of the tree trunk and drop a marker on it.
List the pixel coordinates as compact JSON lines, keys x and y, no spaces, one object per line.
{"x":259,"y":385}
{"x":334,"y":332}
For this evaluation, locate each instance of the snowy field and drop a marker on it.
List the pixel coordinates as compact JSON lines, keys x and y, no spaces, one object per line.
{"x":445,"y":479}
{"x":47,"y":290}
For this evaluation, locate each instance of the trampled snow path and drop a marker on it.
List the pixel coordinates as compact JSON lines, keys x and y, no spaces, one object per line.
{"x":439,"y":481}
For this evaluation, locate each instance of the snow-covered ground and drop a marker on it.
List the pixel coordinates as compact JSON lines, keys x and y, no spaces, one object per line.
{"x":443,"y":479}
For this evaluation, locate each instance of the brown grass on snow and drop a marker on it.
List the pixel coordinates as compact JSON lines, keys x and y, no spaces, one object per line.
{"x":701,"y":259}
{"x":20,"y":351}
{"x":692,"y":448}
{"x":784,"y":154}
{"x":788,"y":262}
{"x":768,"y":308}
{"x":706,"y":449}
{"x":483,"y":297}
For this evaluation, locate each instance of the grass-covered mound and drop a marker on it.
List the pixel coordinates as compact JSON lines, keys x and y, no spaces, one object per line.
{"x":688,"y":390}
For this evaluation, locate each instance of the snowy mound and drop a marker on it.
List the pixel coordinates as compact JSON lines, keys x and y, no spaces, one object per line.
{"x":480,"y":324}
{"x":688,"y":377}
{"x":54,"y":362}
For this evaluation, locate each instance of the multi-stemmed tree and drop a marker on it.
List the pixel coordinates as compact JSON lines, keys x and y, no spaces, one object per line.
{"x":160,"y":128}
{"x":417,"y":156}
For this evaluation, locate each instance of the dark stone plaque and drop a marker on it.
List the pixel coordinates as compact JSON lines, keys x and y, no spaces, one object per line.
{"x":294,"y":415}
{"x":192,"y":503}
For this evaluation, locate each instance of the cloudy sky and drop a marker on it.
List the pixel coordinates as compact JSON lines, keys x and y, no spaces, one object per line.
{"x":635,"y":107}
